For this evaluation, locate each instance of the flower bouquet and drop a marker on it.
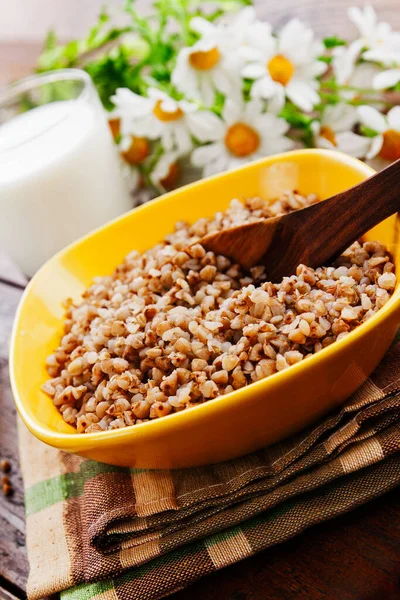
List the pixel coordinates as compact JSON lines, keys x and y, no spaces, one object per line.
{"x":210,"y":86}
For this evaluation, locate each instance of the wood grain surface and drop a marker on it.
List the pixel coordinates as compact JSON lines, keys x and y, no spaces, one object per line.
{"x":354,"y":557}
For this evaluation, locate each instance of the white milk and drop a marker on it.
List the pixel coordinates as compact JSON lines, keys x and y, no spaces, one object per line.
{"x":59,"y":179}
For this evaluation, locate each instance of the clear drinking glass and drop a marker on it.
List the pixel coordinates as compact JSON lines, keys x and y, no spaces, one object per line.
{"x":60,"y":175}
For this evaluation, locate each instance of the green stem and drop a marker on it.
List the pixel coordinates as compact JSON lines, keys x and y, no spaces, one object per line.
{"x":348,"y":88}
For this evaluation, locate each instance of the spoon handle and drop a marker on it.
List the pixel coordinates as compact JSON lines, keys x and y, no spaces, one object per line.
{"x":331,"y":226}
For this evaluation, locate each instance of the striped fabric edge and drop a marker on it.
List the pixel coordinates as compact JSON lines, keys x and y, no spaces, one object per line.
{"x":97,"y":565}
{"x":126,"y":537}
{"x":179,"y":568}
{"x":71,"y":484}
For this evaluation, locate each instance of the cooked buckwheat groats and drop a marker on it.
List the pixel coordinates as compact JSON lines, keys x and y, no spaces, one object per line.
{"x":172,"y":329}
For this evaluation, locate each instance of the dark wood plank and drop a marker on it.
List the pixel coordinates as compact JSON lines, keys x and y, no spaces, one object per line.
{"x":6,"y":595}
{"x":353,"y":557}
{"x":13,"y":560}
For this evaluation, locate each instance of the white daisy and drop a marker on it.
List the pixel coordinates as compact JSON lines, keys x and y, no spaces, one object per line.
{"x":377,"y":42}
{"x":166,"y":172}
{"x":351,"y":73}
{"x":244,"y":133}
{"x":344,"y":61}
{"x":363,"y":76}
{"x":156,"y":117}
{"x":206,"y":67}
{"x":373,"y":34}
{"x":387,"y":127}
{"x":285,"y":65}
{"x":231,"y":32}
{"x":334,"y":132}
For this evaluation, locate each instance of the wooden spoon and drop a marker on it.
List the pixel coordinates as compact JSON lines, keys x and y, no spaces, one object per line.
{"x":314,"y":235}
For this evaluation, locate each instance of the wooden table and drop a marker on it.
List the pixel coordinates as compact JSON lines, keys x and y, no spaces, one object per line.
{"x":354,"y":557}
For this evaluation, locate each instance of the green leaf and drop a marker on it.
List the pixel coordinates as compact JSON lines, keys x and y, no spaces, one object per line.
{"x":295,"y":117}
{"x":218,"y":103}
{"x":112,"y":72}
{"x":332,"y":42}
{"x":71,"y":51}
{"x":50,"y":42}
{"x":308,"y":138}
{"x":325,"y":59}
{"x":367,"y":131}
{"x":147,"y":58}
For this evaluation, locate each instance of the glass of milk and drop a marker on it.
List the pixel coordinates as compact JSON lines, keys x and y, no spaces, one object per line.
{"x":60,"y":174}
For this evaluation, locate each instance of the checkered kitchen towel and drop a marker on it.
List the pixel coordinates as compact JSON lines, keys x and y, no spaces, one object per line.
{"x":97,"y":531}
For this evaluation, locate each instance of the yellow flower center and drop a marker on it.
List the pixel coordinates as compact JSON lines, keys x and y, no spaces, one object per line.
{"x":328,"y":133}
{"x":115,"y":127}
{"x":137,"y":151}
{"x":281,"y":69}
{"x":242,"y":140}
{"x":203,"y":61}
{"x":169,"y":181}
{"x":391,"y":145}
{"x":164,"y":115}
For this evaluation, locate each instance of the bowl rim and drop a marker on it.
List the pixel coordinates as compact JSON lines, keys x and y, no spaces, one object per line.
{"x":223,"y":402}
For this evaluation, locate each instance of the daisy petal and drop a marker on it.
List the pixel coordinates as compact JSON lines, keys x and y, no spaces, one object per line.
{"x":245,"y":17}
{"x":265,"y":88}
{"x":372,"y":118}
{"x":276,"y":146}
{"x":393,"y":118}
{"x":206,"y":90}
{"x":206,"y":126}
{"x":203,"y":155}
{"x":302,"y":94}
{"x":386,"y":79}
{"x":364,"y":19}
{"x":168,"y":139}
{"x":156,"y":94}
{"x":252,"y":109}
{"x":277,"y":102}
{"x":202,"y":26}
{"x":127,"y":101}
{"x":384,"y":55}
{"x":231,"y":111}
{"x":340,"y":117}
{"x":162,"y":167}
{"x":272,"y":125}
{"x":322,"y":142}
{"x":220,"y":163}
{"x":344,"y":61}
{"x":254,"y":71}
{"x":183,"y":139}
{"x":125,"y":143}
{"x":353,"y":144}
{"x":295,"y":39}
{"x":250,"y":54}
{"x":376,"y":145}
{"x":169,"y":105}
{"x":260,"y":37}
{"x":223,"y":83}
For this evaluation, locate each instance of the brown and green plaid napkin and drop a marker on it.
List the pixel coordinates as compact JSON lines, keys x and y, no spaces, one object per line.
{"x":104,"y":532}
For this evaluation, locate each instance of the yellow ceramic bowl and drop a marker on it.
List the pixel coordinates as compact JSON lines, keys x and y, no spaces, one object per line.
{"x":244,"y":420}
